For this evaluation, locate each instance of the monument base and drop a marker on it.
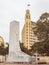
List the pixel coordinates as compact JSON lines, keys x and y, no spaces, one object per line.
{"x":23,"y":57}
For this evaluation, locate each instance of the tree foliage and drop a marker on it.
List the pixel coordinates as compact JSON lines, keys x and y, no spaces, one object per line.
{"x":42,"y":32}
{"x":25,"y":50}
{"x":4,"y":50}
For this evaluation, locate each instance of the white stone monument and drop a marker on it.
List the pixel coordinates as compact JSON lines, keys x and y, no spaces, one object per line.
{"x":15,"y":53}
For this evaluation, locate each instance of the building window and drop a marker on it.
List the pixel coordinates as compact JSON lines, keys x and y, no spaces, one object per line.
{"x":38,"y":59}
{"x":27,"y":17}
{"x":26,"y":40}
{"x":26,"y":29}
{"x":26,"y":37}
{"x":26,"y":43}
{"x":26,"y":25}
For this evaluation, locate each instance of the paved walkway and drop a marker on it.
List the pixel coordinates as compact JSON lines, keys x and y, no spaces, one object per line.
{"x":33,"y":63}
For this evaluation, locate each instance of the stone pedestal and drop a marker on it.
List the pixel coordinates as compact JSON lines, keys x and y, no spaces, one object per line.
{"x":21,"y":57}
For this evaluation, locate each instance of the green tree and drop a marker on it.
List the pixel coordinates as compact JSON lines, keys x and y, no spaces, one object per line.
{"x":4,"y":50}
{"x":25,"y":50}
{"x":42,"y":32}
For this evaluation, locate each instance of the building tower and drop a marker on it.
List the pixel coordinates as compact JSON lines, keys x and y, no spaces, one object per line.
{"x":28,"y":36}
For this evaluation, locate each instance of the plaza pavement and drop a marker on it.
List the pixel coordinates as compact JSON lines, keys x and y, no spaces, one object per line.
{"x":16,"y":63}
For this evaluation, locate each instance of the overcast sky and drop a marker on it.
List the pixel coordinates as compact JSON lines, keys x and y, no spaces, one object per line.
{"x":15,"y":10}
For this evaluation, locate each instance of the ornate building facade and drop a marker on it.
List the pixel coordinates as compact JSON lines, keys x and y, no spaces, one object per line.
{"x":28,"y":36}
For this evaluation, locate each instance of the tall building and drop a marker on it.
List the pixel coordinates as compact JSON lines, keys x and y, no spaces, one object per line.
{"x":28,"y":36}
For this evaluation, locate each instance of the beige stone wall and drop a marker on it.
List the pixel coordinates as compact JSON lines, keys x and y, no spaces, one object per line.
{"x":43,"y":58}
{"x":2,"y":58}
